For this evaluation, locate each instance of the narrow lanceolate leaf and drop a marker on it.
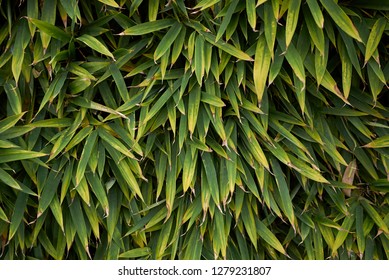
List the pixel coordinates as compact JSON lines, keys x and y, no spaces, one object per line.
{"x":85,"y":155}
{"x":14,"y":98}
{"x":380,"y":142}
{"x":78,"y":221}
{"x":226,"y":20}
{"x":9,"y":180}
{"x":228,"y":48}
{"x":361,"y":241}
{"x":119,"y":80}
{"x":270,"y":24}
{"x":95,"y":44}
{"x":347,"y":69}
{"x":167,"y":40}
{"x":374,"y":215}
{"x":171,"y":186}
{"x":189,"y":168}
{"x":114,"y":143}
{"x":343,"y":233}
{"x":249,"y":223}
{"x":269,"y":237}
{"x":21,"y":42}
{"x":50,"y":187}
{"x":251,"y":13}
{"x":51,"y":30}
{"x":210,"y":171}
{"x":193,"y":108}
{"x":294,"y":59}
{"x":341,"y":18}
{"x":375,"y":37}
{"x":283,"y":190}
{"x":136,"y":253}
{"x":261,"y":67}
{"x":148,"y":27}
{"x":83,"y":102}
{"x":10,"y":122}
{"x":54,"y":89}
{"x":316,"y":12}
{"x":316,"y":33}
{"x":3,"y":216}
{"x":98,"y":189}
{"x":124,"y":169}
{"x":9,"y":155}
{"x":199,"y":59}
{"x":111,"y":3}
{"x":18,"y":213}
{"x":291,"y":20}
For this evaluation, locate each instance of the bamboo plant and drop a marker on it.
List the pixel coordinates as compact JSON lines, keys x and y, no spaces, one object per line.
{"x":208,"y":129}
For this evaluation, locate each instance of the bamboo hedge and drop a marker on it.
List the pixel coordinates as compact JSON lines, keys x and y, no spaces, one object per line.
{"x":209,"y":129}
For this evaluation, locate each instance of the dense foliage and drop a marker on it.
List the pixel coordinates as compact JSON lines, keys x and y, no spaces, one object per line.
{"x":204,"y":129}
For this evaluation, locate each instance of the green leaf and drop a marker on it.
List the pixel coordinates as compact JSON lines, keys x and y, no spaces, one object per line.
{"x":230,"y":49}
{"x":3,"y":216}
{"x":375,"y":37}
{"x":283,"y":189}
{"x":341,"y":18}
{"x":269,"y":237}
{"x":167,"y":40}
{"x":374,"y":215}
{"x":98,"y":189}
{"x":95,"y":44}
{"x":291,"y":20}
{"x":51,"y":30}
{"x":111,"y":3}
{"x":79,"y":222}
{"x":316,"y":12}
{"x":10,"y":122}
{"x":85,"y":155}
{"x":193,"y":108}
{"x":251,"y":13}
{"x":210,"y":172}
{"x":18,"y":213}
{"x":8,"y":180}
{"x":148,"y":27}
{"x":380,"y":142}
{"x":136,"y":253}
{"x":261,"y":67}
{"x":226,"y":20}
{"x":49,"y":190}
{"x":10,"y":155}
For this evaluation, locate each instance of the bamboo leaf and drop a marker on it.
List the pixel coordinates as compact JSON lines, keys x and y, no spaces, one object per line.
{"x":148,"y":27}
{"x":18,"y":213}
{"x":136,"y":253}
{"x":10,"y":155}
{"x":167,"y":40}
{"x":261,"y":67}
{"x":316,"y":12}
{"x":50,"y":29}
{"x":380,"y":142}
{"x":284,"y":191}
{"x":374,"y":215}
{"x":341,"y":18}
{"x":269,"y":237}
{"x":111,"y":3}
{"x":10,"y":122}
{"x":291,"y":20}
{"x":230,"y":49}
{"x":375,"y":37}
{"x":85,"y":155}
{"x":95,"y":44}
